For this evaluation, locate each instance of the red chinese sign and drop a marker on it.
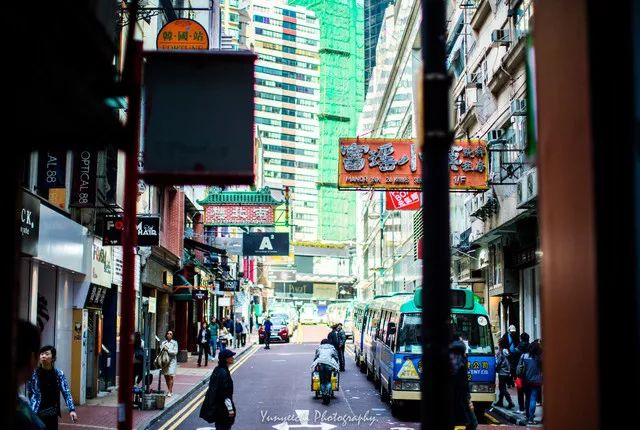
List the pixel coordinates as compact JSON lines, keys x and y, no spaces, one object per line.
{"x":468,"y":165}
{"x":391,"y":164}
{"x":258,"y":215}
{"x":402,"y":200}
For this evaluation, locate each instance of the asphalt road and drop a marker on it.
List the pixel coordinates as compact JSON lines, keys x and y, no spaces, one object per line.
{"x":272,"y":390}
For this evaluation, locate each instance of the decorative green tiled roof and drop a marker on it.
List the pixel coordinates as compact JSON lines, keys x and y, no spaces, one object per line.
{"x":260,"y":197}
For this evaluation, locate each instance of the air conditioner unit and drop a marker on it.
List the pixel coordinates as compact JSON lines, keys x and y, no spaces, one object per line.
{"x":495,"y":135}
{"x":500,"y":37}
{"x":527,"y":189}
{"x":518,"y":107}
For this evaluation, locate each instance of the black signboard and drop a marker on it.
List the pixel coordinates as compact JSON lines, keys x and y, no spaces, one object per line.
{"x":230,"y":286}
{"x":265,"y":244}
{"x":83,"y":181}
{"x":95,"y":296}
{"x":199,"y":294}
{"x":51,"y":169}
{"x":148,"y":231}
{"x":148,"y":228}
{"x":29,"y":224}
{"x":113,"y":227}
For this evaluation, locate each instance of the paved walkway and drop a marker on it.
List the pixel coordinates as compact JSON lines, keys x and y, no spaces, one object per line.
{"x":101,"y":412}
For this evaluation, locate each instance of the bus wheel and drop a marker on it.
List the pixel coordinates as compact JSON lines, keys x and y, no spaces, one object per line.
{"x":479,"y":409}
{"x":369,"y":373}
{"x":395,"y":408}
{"x":363,"y":366}
{"x":384,"y":394}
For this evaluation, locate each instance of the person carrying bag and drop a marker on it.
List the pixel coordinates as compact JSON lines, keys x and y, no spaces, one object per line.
{"x":218,"y":403}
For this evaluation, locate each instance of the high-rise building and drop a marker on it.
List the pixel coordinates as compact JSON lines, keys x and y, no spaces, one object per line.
{"x":341,"y":99}
{"x":373,"y":17}
{"x":286,"y":40}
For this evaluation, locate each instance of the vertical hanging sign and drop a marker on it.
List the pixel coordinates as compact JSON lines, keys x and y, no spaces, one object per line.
{"x":83,"y":181}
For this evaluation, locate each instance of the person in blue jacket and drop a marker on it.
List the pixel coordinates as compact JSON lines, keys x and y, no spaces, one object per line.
{"x":267,"y":332}
{"x":45,"y":387}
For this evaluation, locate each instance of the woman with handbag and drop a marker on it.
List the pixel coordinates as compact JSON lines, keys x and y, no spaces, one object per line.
{"x":171,"y":347}
{"x":218,"y":403}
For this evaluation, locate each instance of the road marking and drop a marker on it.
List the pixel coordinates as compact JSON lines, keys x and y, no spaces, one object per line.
{"x":186,"y":410}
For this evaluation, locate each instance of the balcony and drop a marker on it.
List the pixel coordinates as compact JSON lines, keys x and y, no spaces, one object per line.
{"x":480,"y":15}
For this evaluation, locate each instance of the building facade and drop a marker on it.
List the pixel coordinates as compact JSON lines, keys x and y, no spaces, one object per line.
{"x":495,"y":241}
{"x":373,"y":16}
{"x":387,"y":240}
{"x":286,"y":40}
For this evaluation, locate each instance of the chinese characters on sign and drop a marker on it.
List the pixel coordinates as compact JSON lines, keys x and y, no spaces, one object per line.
{"x":239,"y":215}
{"x":379,"y":163}
{"x":182,"y":34}
{"x":468,"y":165}
{"x":402,"y":200}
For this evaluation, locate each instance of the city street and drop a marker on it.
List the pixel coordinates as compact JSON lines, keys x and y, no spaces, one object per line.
{"x":272,"y":390}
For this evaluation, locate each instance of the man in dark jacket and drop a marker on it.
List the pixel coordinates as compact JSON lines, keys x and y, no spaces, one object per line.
{"x":218,"y":403}
{"x":204,"y":338}
{"x":463,"y":414}
{"x":514,"y":359}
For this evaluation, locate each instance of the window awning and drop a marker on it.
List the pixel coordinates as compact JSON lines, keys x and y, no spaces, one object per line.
{"x":190,"y":243}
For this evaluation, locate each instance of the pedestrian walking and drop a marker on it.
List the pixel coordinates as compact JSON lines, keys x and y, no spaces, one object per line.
{"x":171,"y":346}
{"x":218,"y":406}
{"x":213,"y":332}
{"x":513,"y":339}
{"x":337,"y":338}
{"x":503,"y":369}
{"x":27,"y":349}
{"x":530,"y":370}
{"x":238,"y":332}
{"x":245,"y":331}
{"x":326,"y":360}
{"x":463,"y":412}
{"x":44,"y":388}
{"x":138,"y":358}
{"x":342,"y":341}
{"x":523,"y":348}
{"x":267,"y":332}
{"x":204,"y":340}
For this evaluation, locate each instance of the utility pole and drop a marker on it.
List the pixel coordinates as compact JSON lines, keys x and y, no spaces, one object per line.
{"x":436,"y":141}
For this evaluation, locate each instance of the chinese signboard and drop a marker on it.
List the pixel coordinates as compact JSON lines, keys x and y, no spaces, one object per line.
{"x":402,"y":200}
{"x":96,"y":296}
{"x":182,"y":34}
{"x":253,"y":215}
{"x":468,"y":165}
{"x":265,"y":244}
{"x":393,"y":164}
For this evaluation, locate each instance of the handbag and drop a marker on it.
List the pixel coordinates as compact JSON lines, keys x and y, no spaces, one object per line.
{"x":162,"y":360}
{"x":519,"y":384}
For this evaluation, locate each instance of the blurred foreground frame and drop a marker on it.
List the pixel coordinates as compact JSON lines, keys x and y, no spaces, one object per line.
{"x":198,"y":117}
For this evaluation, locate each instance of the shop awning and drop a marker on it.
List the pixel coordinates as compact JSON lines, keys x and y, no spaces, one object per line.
{"x":193,"y":244}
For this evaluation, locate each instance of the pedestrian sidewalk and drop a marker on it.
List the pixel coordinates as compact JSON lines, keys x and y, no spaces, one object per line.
{"x":101,"y":412}
{"x":514,"y":415}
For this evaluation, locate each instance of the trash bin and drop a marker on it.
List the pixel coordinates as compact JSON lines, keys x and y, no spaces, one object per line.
{"x":160,"y":398}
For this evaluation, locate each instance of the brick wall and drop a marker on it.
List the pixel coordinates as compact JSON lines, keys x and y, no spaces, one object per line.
{"x":172,"y":231}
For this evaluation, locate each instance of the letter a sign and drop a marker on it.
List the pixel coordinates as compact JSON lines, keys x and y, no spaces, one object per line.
{"x":265,"y":244}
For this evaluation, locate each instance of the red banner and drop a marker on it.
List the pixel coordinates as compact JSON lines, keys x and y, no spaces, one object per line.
{"x":258,"y":215}
{"x":402,"y":200}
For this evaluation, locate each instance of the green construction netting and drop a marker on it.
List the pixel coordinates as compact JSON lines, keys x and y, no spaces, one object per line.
{"x":341,"y":100}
